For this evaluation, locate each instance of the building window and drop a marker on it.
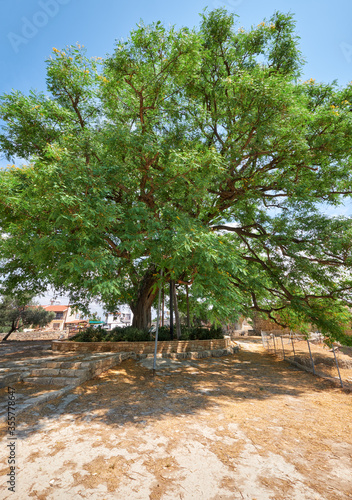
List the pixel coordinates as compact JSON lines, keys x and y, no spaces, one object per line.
{"x":59,"y":315}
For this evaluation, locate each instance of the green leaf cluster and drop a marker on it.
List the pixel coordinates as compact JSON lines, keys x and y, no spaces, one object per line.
{"x":197,"y":152}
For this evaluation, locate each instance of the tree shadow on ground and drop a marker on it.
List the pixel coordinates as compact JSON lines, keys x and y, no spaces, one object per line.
{"x":12,"y":350}
{"x":129,"y":395}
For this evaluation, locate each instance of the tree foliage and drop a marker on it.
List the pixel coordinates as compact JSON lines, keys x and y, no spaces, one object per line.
{"x":16,"y":314}
{"x":199,"y":152}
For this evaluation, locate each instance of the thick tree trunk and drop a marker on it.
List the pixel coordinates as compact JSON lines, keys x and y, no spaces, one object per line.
{"x":142,"y":307}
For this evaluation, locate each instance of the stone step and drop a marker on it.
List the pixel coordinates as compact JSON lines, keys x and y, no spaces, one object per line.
{"x":11,"y":378}
{"x":82,"y":361}
{"x":57,"y":372}
{"x":34,"y":401}
{"x":56,"y":381}
{"x":63,"y":372}
{"x":62,"y":364}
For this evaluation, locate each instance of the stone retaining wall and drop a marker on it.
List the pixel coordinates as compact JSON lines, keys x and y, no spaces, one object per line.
{"x":267,"y":325}
{"x":143,"y":347}
{"x":37,"y":335}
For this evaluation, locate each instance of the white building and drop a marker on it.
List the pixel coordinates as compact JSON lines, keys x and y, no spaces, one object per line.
{"x":119,"y":318}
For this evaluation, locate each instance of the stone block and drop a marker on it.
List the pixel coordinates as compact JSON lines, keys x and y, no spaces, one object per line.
{"x":192,"y":355}
{"x":182,"y":355}
{"x":206,"y":354}
{"x":217,"y":353}
{"x":71,"y":373}
{"x":44,"y":372}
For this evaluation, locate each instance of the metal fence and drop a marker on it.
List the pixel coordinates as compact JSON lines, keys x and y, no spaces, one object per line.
{"x":311,"y":354}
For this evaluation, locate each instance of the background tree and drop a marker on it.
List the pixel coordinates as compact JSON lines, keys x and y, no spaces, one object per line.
{"x":199,"y":152}
{"x":94,"y":316}
{"x":17,"y":313}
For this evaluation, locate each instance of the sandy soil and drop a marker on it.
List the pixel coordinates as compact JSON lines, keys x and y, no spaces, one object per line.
{"x":323,"y":358}
{"x":241,"y":427}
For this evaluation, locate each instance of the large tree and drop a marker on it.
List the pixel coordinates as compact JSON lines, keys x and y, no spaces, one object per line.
{"x":199,"y":152}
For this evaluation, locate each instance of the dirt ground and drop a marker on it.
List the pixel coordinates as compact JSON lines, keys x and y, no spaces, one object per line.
{"x":324,"y":360}
{"x":323,"y":357}
{"x":246,"y":426}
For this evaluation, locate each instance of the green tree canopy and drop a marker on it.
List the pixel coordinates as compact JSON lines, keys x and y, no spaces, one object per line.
{"x":19,"y":313}
{"x":196,"y":151}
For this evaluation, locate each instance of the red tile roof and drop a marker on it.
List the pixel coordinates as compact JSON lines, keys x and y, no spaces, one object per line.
{"x":56,"y":308}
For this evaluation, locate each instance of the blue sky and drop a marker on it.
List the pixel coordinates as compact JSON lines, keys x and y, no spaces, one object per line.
{"x":29,"y":29}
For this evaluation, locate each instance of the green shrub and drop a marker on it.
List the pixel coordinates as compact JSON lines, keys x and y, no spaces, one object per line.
{"x":132,"y":334}
{"x":201,"y":333}
{"x":163,"y":333}
{"x":91,"y":334}
{"x":128,"y":334}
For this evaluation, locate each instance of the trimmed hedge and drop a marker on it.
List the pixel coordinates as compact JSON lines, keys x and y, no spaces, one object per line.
{"x":131,"y":334}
